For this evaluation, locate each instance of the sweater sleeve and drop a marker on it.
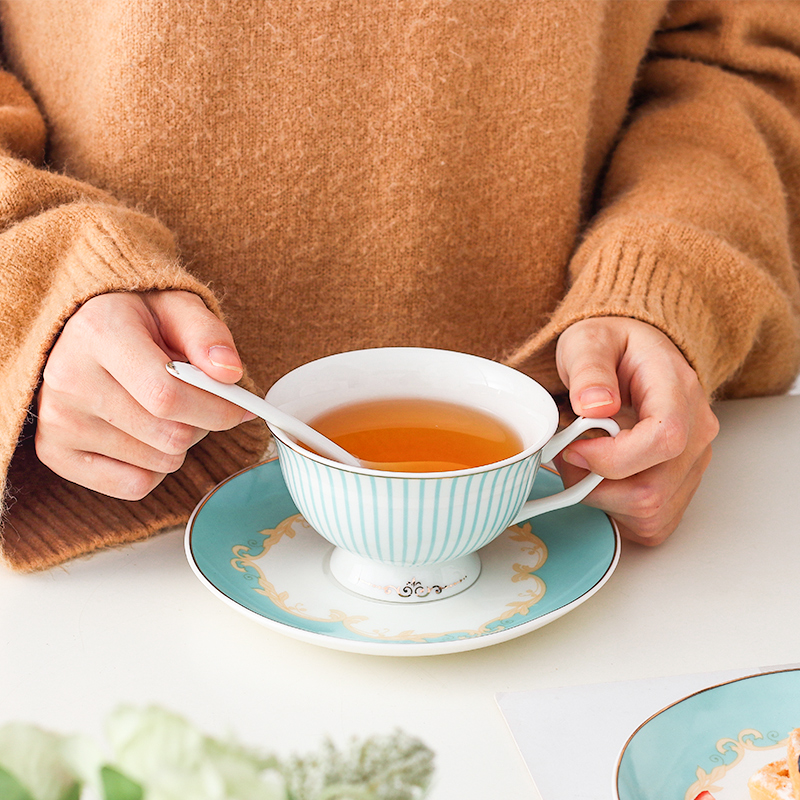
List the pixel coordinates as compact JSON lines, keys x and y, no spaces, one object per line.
{"x":697,"y":227}
{"x":62,"y":242}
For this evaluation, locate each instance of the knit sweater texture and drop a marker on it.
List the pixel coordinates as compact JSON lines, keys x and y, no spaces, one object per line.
{"x":466,"y":174}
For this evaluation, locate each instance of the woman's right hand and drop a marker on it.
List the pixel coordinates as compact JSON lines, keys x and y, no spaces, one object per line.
{"x":110,"y":417}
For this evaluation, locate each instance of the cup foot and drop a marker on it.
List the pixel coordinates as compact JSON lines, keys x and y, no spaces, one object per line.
{"x":404,"y":584}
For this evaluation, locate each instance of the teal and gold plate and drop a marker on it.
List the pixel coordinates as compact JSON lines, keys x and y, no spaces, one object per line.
{"x":249,"y":545}
{"x":711,"y":741}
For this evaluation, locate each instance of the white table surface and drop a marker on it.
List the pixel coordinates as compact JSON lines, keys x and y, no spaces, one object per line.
{"x":135,"y":626}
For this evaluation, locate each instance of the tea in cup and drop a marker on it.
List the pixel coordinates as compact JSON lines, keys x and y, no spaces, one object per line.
{"x":451,"y":444}
{"x":412,"y":434}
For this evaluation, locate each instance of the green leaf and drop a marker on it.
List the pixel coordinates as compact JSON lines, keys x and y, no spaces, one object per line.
{"x":117,"y":786}
{"x":11,"y":788}
{"x":37,"y":758}
{"x":71,"y":793}
{"x":172,"y":759}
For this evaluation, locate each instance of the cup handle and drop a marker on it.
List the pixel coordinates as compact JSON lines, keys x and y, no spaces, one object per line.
{"x":577,"y":492}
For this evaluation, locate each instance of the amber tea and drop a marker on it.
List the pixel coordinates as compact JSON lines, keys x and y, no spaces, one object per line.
{"x":419,"y":435}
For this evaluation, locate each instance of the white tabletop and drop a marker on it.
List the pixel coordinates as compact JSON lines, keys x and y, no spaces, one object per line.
{"x":134,"y":625}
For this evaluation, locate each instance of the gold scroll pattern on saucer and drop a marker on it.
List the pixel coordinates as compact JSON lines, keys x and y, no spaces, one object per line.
{"x":248,"y":557}
{"x":748,"y":739}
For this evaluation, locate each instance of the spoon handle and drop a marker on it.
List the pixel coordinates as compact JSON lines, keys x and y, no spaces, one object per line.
{"x":276,"y":418}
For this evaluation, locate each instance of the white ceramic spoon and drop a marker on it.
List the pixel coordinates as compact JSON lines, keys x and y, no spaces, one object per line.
{"x":261,"y":408}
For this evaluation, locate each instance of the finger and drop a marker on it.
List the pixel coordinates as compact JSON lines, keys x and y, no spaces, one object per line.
{"x":655,"y":530}
{"x":587,"y":359}
{"x":70,"y":406}
{"x":169,"y":399}
{"x":648,"y":506}
{"x":649,"y":442}
{"x":128,"y":351}
{"x":188,"y":327}
{"x":105,"y":475}
{"x":679,"y":429}
{"x":62,"y":429}
{"x":645,"y":493}
{"x":109,"y":476}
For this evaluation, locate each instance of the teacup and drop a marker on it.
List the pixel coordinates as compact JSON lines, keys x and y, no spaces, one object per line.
{"x":414,"y":536}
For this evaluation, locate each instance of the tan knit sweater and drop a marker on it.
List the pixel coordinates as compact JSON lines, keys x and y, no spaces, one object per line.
{"x":467,"y":174}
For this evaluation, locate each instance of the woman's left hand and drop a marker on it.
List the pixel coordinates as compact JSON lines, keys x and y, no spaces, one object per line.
{"x":615,"y":366}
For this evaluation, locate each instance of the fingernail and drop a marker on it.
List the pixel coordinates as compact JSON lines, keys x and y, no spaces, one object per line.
{"x":595,"y":397}
{"x":571,"y":457}
{"x":248,"y":416}
{"x":225,"y":357}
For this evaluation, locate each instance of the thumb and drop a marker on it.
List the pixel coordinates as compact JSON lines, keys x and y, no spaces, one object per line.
{"x":188,"y":328}
{"x":587,"y":356}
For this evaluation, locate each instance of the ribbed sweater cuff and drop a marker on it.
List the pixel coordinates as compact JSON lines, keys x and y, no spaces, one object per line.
{"x":51,"y":521}
{"x":639,"y":272}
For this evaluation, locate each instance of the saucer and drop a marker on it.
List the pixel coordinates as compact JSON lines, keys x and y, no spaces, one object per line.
{"x":250,"y":547}
{"x":712,"y":740}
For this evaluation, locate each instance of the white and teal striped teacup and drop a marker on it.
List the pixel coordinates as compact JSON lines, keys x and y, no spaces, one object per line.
{"x":410,"y":536}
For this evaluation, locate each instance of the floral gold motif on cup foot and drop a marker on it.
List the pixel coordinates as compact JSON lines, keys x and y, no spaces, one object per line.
{"x":413,"y":588}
